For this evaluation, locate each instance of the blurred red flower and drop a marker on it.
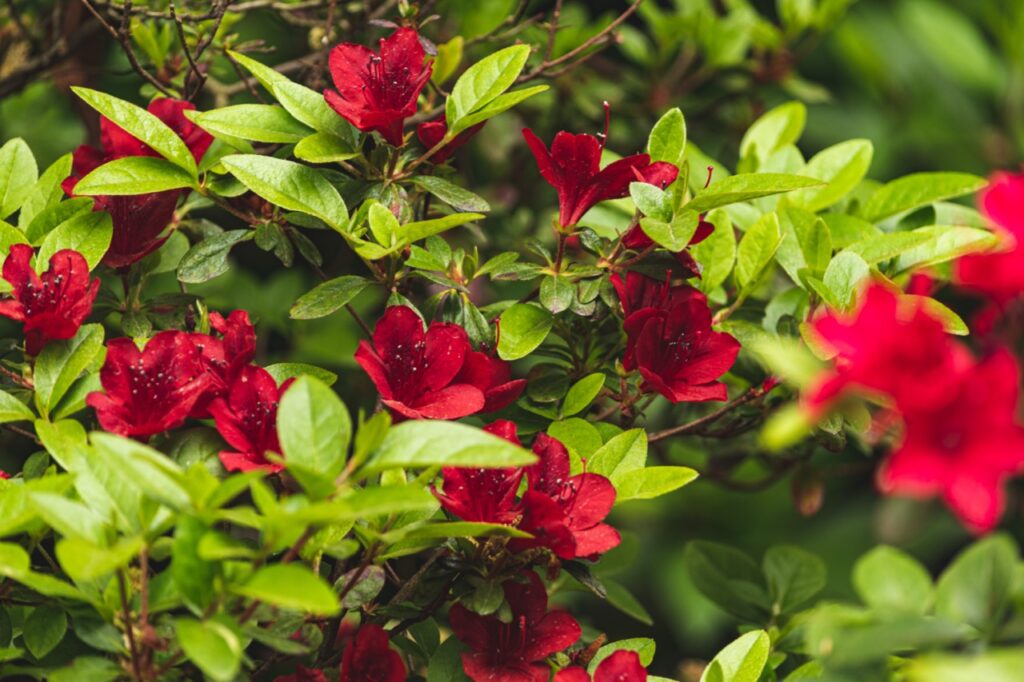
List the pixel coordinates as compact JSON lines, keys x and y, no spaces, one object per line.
{"x":369,"y":658}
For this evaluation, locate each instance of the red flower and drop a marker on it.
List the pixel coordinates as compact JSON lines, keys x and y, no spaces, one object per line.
{"x":484,"y":495}
{"x":148,"y":391}
{"x":432,"y":132}
{"x":225,"y":356}
{"x":677,"y":352}
{"x":493,"y":377}
{"x":621,"y":666}
{"x":1000,"y":274}
{"x":637,"y":292}
{"x":368,"y":658}
{"x":303,"y":674}
{"x":636,"y":239}
{"x":966,"y":448}
{"x":4,"y":475}
{"x":573,"y":168}
{"x":889,"y":345}
{"x":51,"y":306}
{"x":139,"y":220}
{"x":415,"y":372}
{"x":247,"y":419}
{"x":514,"y":651}
{"x":379,"y":92}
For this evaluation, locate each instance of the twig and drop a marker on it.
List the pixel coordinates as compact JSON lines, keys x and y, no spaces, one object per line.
{"x":129,"y":628}
{"x":747,"y":397}
{"x":124,"y":37}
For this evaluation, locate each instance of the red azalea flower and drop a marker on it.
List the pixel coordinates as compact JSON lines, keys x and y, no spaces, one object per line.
{"x":514,"y":651}
{"x":966,"y":448}
{"x":4,"y":475}
{"x":636,"y":239}
{"x":369,"y":658}
{"x":148,"y":391}
{"x":379,"y":92}
{"x":247,"y":419}
{"x":484,"y":495}
{"x":225,"y":356}
{"x":677,"y":352}
{"x":432,"y":132}
{"x":51,"y":306}
{"x":303,"y":674}
{"x":415,"y":372}
{"x":493,"y":377}
{"x":621,"y":666}
{"x":573,"y":168}
{"x":637,"y":292}
{"x":999,"y":275}
{"x":889,"y":345}
{"x":139,"y":220}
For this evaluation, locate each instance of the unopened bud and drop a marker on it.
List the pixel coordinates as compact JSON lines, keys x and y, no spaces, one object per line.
{"x":808,"y":491}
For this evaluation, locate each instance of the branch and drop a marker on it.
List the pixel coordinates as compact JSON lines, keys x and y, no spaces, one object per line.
{"x":747,"y":397}
{"x":123,"y":36}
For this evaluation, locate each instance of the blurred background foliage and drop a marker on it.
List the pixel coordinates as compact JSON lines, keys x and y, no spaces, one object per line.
{"x":934,"y":84}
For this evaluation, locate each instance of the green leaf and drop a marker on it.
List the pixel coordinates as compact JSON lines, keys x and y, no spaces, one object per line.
{"x":44,"y":629}
{"x":522,"y":327}
{"x":18,"y":174}
{"x":455,"y":196}
{"x":83,"y":560}
{"x":582,"y":393}
{"x":646,"y":484}
{"x":643,"y":646}
{"x":650,"y":200}
{"x":777,"y":128}
{"x":421,"y":229}
{"x":314,"y":427}
{"x":500,"y":104}
{"x":13,"y":410}
{"x":133,"y":175}
{"x":291,"y":186}
{"x":449,"y":56}
{"x":716,"y":254}
{"x":424,"y":443}
{"x":841,"y":166}
{"x":209,"y":258}
{"x":742,"y":661}
{"x":291,"y":586}
{"x":951,"y":322}
{"x":50,"y":218}
{"x":256,"y":122}
{"x":975,"y":589}
{"x":309,"y":107}
{"x":747,"y":186}
{"x":481,"y":83}
{"x":389,"y":499}
{"x":916,"y":190}
{"x":729,"y":578}
{"x":69,"y":518}
{"x":888,"y":579}
{"x":889,"y":245}
{"x":946,"y":243}
{"x":992,"y":665}
{"x":287,"y":370}
{"x":89,"y":234}
{"x":212,"y":646}
{"x":191,"y":574}
{"x":667,"y":141}
{"x":151,"y":472}
{"x":328,"y":297}
{"x":794,"y":576}
{"x":143,"y":126}
{"x":556,"y":293}
{"x":61,"y":362}
{"x":674,"y":235}
{"x":369,"y":583}
{"x":621,"y":455}
{"x":323,"y":148}
{"x":623,"y":600}
{"x":806,"y":243}
{"x":843,"y":279}
{"x":446,"y":663}
{"x":756,"y":249}
{"x":46,"y":193}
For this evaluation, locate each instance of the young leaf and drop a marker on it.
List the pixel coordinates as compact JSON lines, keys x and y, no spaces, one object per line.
{"x":843,"y":279}
{"x":482,"y":83}
{"x":61,"y":362}
{"x":421,"y":229}
{"x":742,"y":661}
{"x":323,"y":148}
{"x":716,"y":254}
{"x":622,"y":454}
{"x":13,"y":410}
{"x":18,"y":173}
{"x":916,"y":190}
{"x":314,"y":427}
{"x":521,"y":329}
{"x":756,"y":249}
{"x":673,"y":235}
{"x":310,"y":107}
{"x":89,"y":234}
{"x":47,"y":191}
{"x":747,"y":186}
{"x":777,"y":128}
{"x":582,"y":393}
{"x":651,"y":482}
{"x":133,"y":175}
{"x":256,"y":122}
{"x":419,"y":444}
{"x":842,"y":166}
{"x":667,"y":141}
{"x":143,"y":126}
{"x":291,"y":586}
{"x":291,"y":186}
{"x":212,"y":646}
{"x":888,"y":245}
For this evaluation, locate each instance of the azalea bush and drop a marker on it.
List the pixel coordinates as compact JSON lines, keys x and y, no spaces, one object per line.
{"x":465,"y":499}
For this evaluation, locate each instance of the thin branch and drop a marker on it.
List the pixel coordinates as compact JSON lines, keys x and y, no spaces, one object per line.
{"x":747,"y":397}
{"x":124,"y":37}
{"x":129,"y":628}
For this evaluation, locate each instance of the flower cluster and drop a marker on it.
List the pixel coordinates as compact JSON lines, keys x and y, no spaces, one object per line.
{"x":961,"y":438}
{"x":179,"y":374}
{"x":140,"y":221}
{"x":51,"y":306}
{"x":366,"y":658}
{"x":670,"y":340}
{"x":433,"y":374}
